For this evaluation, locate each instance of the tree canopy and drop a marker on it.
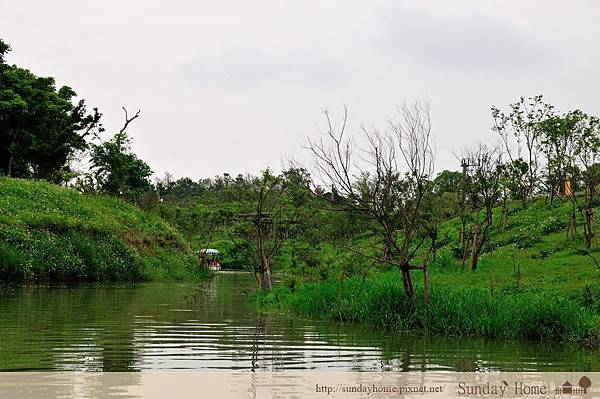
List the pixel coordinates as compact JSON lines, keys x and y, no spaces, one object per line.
{"x":116,"y":169}
{"x":41,"y":127}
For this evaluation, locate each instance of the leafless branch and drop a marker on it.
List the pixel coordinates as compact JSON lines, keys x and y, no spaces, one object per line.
{"x":128,"y":120}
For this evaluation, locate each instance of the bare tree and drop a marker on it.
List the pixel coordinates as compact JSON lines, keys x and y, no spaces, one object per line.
{"x":266,"y":227}
{"x":128,"y":120}
{"x":484,"y":173}
{"x":465,"y":203}
{"x":390,"y":186}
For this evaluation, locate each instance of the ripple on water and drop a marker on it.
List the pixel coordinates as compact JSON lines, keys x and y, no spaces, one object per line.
{"x":157,"y":326}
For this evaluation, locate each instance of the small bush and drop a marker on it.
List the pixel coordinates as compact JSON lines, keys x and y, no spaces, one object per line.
{"x":444,"y":259}
{"x":552,"y":224}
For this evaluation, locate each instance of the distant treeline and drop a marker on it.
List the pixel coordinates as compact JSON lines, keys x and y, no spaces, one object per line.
{"x":379,"y":184}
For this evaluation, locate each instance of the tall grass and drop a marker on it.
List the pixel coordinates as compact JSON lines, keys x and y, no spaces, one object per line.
{"x":381,"y":302}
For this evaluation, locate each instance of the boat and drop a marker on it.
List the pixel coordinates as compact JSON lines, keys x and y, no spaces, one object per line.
{"x":209,"y":258}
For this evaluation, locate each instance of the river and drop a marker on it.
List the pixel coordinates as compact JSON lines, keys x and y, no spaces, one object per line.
{"x":177,"y":326}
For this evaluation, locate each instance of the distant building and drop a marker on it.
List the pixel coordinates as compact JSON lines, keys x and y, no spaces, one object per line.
{"x":333,"y":196}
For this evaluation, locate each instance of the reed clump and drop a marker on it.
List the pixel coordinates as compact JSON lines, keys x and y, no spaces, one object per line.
{"x":462,"y":311}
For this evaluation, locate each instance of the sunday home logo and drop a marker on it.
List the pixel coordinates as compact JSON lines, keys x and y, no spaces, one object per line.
{"x":523,"y":388}
{"x":568,"y":388}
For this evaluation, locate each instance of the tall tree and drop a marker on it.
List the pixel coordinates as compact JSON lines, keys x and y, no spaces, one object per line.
{"x":559,"y":142}
{"x":41,"y":128}
{"x":116,"y":168}
{"x":587,"y":153}
{"x":519,"y":130}
{"x":393,"y":186}
{"x":484,"y":180}
{"x":572,"y":146}
{"x":265,"y":226}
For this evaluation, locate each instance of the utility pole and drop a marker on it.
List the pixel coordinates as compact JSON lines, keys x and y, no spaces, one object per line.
{"x":465,"y":164}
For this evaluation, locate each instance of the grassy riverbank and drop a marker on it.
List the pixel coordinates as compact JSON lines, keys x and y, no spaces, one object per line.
{"x":531,"y":282}
{"x":50,"y":233}
{"x":464,"y":311}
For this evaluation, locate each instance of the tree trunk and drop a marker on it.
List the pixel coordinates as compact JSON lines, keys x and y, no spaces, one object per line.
{"x":425,"y":283}
{"x":589,"y":228}
{"x":9,"y":164}
{"x":262,"y":259}
{"x":466,"y":245}
{"x":261,"y":278}
{"x":434,"y":243}
{"x":267,"y":271}
{"x":387,"y":251}
{"x":572,"y":224}
{"x":407,"y":282}
{"x":265,"y":278}
{"x":475,"y":249}
{"x":8,"y":168}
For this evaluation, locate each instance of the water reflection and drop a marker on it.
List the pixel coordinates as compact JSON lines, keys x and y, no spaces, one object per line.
{"x":259,"y":340}
{"x":182,"y":326}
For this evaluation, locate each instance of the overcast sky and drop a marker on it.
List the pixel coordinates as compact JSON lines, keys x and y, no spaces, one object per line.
{"x":236,"y":85}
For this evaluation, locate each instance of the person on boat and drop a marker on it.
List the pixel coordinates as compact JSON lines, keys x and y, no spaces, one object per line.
{"x":202,"y":258}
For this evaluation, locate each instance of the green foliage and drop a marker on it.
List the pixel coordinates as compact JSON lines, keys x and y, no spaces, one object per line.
{"x":531,"y":283}
{"x":4,"y":48}
{"x":41,"y":127}
{"x":448,"y":205}
{"x":117,"y":169}
{"x":444,"y":259}
{"x":48,"y":233}
{"x":448,"y":181}
{"x":148,"y":201}
{"x":514,"y":178}
{"x":217,"y":213}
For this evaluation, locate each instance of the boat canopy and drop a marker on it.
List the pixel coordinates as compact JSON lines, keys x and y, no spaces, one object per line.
{"x":210,"y":251}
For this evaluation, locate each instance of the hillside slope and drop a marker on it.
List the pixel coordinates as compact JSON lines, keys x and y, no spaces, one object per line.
{"x":50,"y":233}
{"x":531,"y":252}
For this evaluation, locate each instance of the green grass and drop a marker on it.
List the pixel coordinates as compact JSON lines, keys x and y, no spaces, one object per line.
{"x":531,"y":282}
{"x":464,"y":311}
{"x":50,"y":233}
{"x":533,"y":244}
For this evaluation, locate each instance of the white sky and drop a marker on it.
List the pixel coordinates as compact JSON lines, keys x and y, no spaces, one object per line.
{"x":236,"y":85}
